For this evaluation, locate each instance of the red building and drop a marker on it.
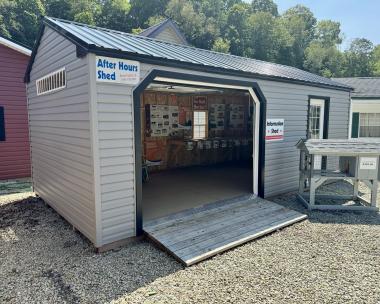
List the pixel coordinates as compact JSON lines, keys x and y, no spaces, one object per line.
{"x":14,"y":133}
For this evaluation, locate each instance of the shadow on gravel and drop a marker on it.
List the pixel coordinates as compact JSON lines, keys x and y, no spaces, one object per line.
{"x":45,"y":250}
{"x":27,"y":212}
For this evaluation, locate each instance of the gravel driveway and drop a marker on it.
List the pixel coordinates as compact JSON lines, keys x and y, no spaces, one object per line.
{"x":334,"y":257}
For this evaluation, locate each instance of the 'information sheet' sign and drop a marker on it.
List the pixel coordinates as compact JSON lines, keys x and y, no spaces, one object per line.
{"x":368,"y":163}
{"x":274,"y":129}
{"x":117,"y":70}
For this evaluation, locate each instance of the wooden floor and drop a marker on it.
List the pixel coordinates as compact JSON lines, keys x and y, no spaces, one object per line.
{"x":199,"y":233}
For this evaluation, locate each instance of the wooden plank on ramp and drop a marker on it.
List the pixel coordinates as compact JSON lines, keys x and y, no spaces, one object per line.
{"x":196,"y":234}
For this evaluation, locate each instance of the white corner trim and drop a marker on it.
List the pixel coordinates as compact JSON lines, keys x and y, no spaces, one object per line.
{"x":95,"y":147}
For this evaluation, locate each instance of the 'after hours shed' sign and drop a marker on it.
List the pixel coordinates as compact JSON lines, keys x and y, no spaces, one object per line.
{"x":117,"y":70}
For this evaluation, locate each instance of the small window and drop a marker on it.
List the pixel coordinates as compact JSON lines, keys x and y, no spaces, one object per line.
{"x":2,"y":124}
{"x":200,"y":125}
{"x":52,"y":82}
{"x":369,"y":125}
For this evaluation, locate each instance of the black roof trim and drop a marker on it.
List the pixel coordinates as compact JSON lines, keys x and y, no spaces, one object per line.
{"x":92,"y":48}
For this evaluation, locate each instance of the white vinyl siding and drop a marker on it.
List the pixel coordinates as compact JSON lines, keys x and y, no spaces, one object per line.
{"x":61,"y":152}
{"x":116,"y":160}
{"x":169,"y":35}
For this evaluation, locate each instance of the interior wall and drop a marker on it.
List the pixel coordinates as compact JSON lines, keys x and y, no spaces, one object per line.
{"x":230,"y":142}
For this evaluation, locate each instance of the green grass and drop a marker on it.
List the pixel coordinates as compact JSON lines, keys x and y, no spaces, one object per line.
{"x":15,"y":186}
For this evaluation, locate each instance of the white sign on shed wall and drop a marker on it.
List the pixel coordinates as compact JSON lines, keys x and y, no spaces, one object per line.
{"x":274,"y":129}
{"x":117,"y":70}
{"x":368,"y":163}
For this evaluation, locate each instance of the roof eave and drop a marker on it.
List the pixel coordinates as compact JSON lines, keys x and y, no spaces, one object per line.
{"x":14,"y":46}
{"x":82,"y":46}
{"x":365,"y":97}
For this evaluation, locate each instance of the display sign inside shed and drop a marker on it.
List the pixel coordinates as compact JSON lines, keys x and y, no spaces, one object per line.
{"x":116,"y":70}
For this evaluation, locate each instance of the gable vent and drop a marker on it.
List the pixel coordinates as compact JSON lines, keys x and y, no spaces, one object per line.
{"x":52,"y":82}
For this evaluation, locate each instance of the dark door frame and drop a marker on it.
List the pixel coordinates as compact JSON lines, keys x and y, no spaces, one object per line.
{"x":190,"y":77}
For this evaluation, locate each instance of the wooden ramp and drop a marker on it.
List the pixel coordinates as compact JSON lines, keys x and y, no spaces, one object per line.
{"x":196,"y":234}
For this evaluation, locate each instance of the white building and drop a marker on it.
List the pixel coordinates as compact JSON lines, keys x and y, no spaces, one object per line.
{"x":365,"y":106}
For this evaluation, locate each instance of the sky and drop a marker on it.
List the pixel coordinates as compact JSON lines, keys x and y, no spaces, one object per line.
{"x":358,"y":18}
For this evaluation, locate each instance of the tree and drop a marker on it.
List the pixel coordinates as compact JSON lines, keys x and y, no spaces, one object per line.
{"x":300,"y":23}
{"x":59,"y":9}
{"x":266,"y":39}
{"x":376,"y":60}
{"x":358,"y":58}
{"x":324,"y":60}
{"x":86,"y":11}
{"x":114,"y":15}
{"x":322,"y":55}
{"x":236,"y":28}
{"x":20,"y":20}
{"x":267,"y":6}
{"x":247,"y":28}
{"x":199,"y":30}
{"x":328,"y":33}
{"x":142,"y":10}
{"x":155,"y":20}
{"x":221,"y":45}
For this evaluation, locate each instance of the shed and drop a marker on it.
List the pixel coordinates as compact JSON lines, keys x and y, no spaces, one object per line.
{"x":14,"y":134}
{"x":166,"y":30}
{"x":365,"y":106}
{"x":126,"y":129}
{"x":359,"y":162}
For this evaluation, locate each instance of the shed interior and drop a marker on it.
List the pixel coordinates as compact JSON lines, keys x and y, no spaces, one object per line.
{"x":197,"y":146}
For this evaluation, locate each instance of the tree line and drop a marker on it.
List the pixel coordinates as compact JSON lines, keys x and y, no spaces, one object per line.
{"x":254,"y":29}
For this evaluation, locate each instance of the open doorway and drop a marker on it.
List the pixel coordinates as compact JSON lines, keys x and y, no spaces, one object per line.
{"x":197,"y":146}
{"x":197,"y":142}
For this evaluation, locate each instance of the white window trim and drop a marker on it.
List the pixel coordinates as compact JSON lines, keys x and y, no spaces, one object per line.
{"x":46,"y":77}
{"x":319,"y":103}
{"x":205,"y":125}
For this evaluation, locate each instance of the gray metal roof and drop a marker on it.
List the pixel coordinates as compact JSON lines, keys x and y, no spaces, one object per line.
{"x":364,"y":87}
{"x":357,"y":146}
{"x":107,"y":42}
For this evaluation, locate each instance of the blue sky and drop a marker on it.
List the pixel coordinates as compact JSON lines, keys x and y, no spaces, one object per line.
{"x":358,"y":18}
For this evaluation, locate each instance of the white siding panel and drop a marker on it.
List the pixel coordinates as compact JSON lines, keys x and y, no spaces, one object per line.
{"x":62,"y":164}
{"x":169,"y":35}
{"x":116,"y":152}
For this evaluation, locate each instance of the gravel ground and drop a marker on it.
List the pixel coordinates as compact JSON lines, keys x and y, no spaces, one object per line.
{"x":333,"y":257}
